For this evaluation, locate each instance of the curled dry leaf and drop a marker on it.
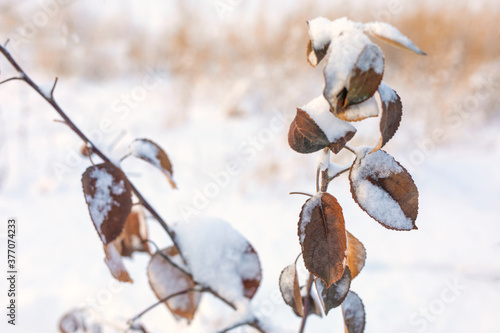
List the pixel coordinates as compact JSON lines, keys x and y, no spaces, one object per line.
{"x":77,"y":321}
{"x":109,"y":198}
{"x":150,"y":152}
{"x":315,"y":128}
{"x":322,"y":237}
{"x":353,"y":312}
{"x":357,"y":112}
{"x":365,"y":77}
{"x":290,"y":289}
{"x":134,"y":235}
{"x":392,"y":111}
{"x":333,"y":296}
{"x":384,"y":189}
{"x":389,"y":34}
{"x":115,"y":263}
{"x":165,"y":279}
{"x":356,"y":255}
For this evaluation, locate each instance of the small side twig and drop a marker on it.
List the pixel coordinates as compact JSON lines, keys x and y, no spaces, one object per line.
{"x":307,"y":304}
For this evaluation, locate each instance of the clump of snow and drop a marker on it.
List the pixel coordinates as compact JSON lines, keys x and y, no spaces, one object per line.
{"x":320,"y":32}
{"x":146,"y":150}
{"x":371,"y":57}
{"x":366,"y":109}
{"x":101,"y":203}
{"x":306,"y":214}
{"x":218,"y":256}
{"x":319,"y":111}
{"x":372,"y":198}
{"x":387,"y":94}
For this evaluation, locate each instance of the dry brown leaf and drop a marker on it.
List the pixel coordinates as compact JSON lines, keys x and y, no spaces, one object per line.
{"x":150,"y":152}
{"x":392,"y":111}
{"x":115,"y":263}
{"x":333,"y":296}
{"x":356,"y":255}
{"x":353,"y":312}
{"x":109,"y":198}
{"x":165,"y":279}
{"x":290,"y":289}
{"x":365,"y":76}
{"x":322,"y":236}
{"x":314,"y":56}
{"x":134,"y":235}
{"x":384,"y":189}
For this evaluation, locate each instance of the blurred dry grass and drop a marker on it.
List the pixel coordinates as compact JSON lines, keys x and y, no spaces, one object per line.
{"x":267,"y":56}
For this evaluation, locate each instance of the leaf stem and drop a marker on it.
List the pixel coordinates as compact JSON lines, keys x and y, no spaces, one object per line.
{"x":307,"y":304}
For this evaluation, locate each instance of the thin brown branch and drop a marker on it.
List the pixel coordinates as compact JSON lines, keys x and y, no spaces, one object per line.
{"x":49,"y":99}
{"x":11,"y":79}
{"x":53,"y":88}
{"x":302,"y":193}
{"x":253,"y":323}
{"x":307,"y":302}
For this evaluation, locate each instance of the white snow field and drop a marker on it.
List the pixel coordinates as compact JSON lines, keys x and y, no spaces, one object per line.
{"x":238,"y":167}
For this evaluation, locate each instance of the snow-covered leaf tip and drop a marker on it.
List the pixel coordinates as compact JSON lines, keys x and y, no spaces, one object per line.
{"x":315,"y":128}
{"x":115,"y":263}
{"x":333,"y":296}
{"x":290,"y":289}
{"x":165,"y":279}
{"x":109,"y":199}
{"x":389,"y":34}
{"x":384,"y":189}
{"x":321,"y":230}
{"x":353,"y":312}
{"x":320,"y":37}
{"x":392,"y":111}
{"x":150,"y":152}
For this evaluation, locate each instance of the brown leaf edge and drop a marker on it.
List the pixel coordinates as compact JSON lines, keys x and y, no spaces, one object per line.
{"x":392,"y":112}
{"x":291,"y":296}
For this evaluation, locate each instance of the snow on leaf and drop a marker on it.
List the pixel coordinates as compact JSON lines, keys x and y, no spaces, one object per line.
{"x":134,"y":234}
{"x":165,"y":279}
{"x":290,"y":289}
{"x":77,"y":321}
{"x":320,"y":37}
{"x":109,"y":199}
{"x":207,"y":243}
{"x":321,"y":230}
{"x":334,"y":295}
{"x":150,"y":152}
{"x":353,"y":312}
{"x":392,"y":111}
{"x":356,"y":255}
{"x":315,"y":128}
{"x":115,"y":263}
{"x":366,"y":75}
{"x":389,"y":34}
{"x":344,"y":52}
{"x":357,"y":112}
{"x":384,"y":189}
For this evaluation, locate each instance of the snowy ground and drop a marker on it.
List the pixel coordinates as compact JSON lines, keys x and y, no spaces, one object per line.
{"x":445,"y":277}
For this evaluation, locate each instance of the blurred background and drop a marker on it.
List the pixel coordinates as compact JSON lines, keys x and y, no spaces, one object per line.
{"x":207,"y":80}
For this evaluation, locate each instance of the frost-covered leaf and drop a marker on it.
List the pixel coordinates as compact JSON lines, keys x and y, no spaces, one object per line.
{"x":78,"y":321}
{"x":134,"y":235}
{"x":356,"y":255}
{"x":353,"y":312}
{"x":150,"y":152}
{"x":315,"y":128}
{"x":384,"y":189}
{"x":165,"y":279}
{"x":365,"y":76}
{"x":109,"y":198}
{"x":357,"y":112}
{"x":389,"y":34}
{"x":392,"y":111}
{"x":344,"y":53}
{"x":333,"y":296}
{"x":290,"y":289}
{"x":115,"y":263}
{"x":322,"y":236}
{"x":220,"y":257}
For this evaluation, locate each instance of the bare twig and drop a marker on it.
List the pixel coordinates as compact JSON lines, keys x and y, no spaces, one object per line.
{"x":302,"y":193}
{"x":253,"y":323}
